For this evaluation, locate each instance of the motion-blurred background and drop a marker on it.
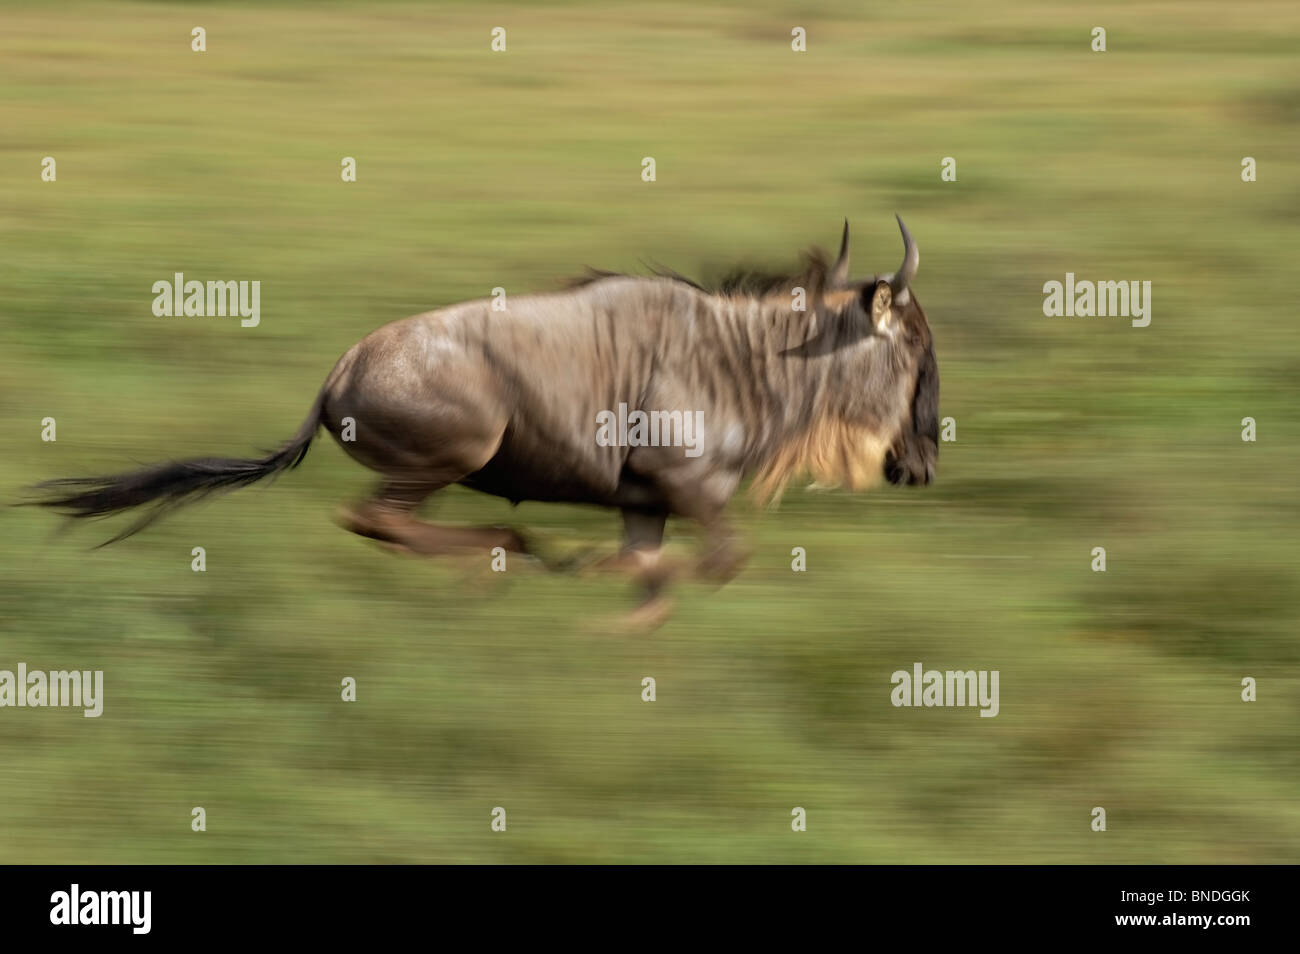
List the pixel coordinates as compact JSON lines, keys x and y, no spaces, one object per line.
{"x":478,"y":169}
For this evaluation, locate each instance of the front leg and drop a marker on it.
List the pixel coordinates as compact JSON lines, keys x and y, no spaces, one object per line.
{"x":643,"y":559}
{"x":642,"y":554}
{"x":723,"y":556}
{"x":703,"y":498}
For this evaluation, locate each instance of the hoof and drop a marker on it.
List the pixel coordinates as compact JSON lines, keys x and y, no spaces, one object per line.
{"x":512,"y":540}
{"x":624,"y":562}
{"x":649,"y":616}
{"x":348,"y":519}
{"x":395,"y":548}
{"x":721,"y":566}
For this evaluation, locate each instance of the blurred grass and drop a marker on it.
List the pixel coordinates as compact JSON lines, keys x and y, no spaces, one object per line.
{"x":475,"y":170}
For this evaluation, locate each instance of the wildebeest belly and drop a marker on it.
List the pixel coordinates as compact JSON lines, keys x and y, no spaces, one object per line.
{"x":519,"y":473}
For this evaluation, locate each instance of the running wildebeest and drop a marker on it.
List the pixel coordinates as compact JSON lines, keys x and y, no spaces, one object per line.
{"x":812,"y":374}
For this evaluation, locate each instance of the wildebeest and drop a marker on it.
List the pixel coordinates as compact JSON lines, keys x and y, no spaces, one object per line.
{"x":842,"y":389}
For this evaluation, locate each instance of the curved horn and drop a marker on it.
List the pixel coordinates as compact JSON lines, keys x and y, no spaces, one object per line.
{"x":839,"y":274}
{"x":901,"y":279}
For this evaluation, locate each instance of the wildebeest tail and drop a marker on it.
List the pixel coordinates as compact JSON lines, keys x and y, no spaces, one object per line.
{"x":174,"y":483}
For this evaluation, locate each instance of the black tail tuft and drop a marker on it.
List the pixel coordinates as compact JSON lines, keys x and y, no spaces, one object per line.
{"x":171,"y":484}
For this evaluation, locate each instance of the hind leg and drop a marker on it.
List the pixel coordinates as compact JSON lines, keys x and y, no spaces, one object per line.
{"x":422,"y":435}
{"x":389,"y":516}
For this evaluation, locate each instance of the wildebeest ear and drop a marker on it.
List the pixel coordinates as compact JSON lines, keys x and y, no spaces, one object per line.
{"x":879,"y":304}
{"x":839,"y":274}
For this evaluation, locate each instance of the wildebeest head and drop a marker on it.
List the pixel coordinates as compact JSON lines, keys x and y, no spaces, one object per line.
{"x":855,"y":394}
{"x":900,"y":377}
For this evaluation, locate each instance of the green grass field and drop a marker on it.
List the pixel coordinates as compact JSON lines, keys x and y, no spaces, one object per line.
{"x":475,"y":690}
